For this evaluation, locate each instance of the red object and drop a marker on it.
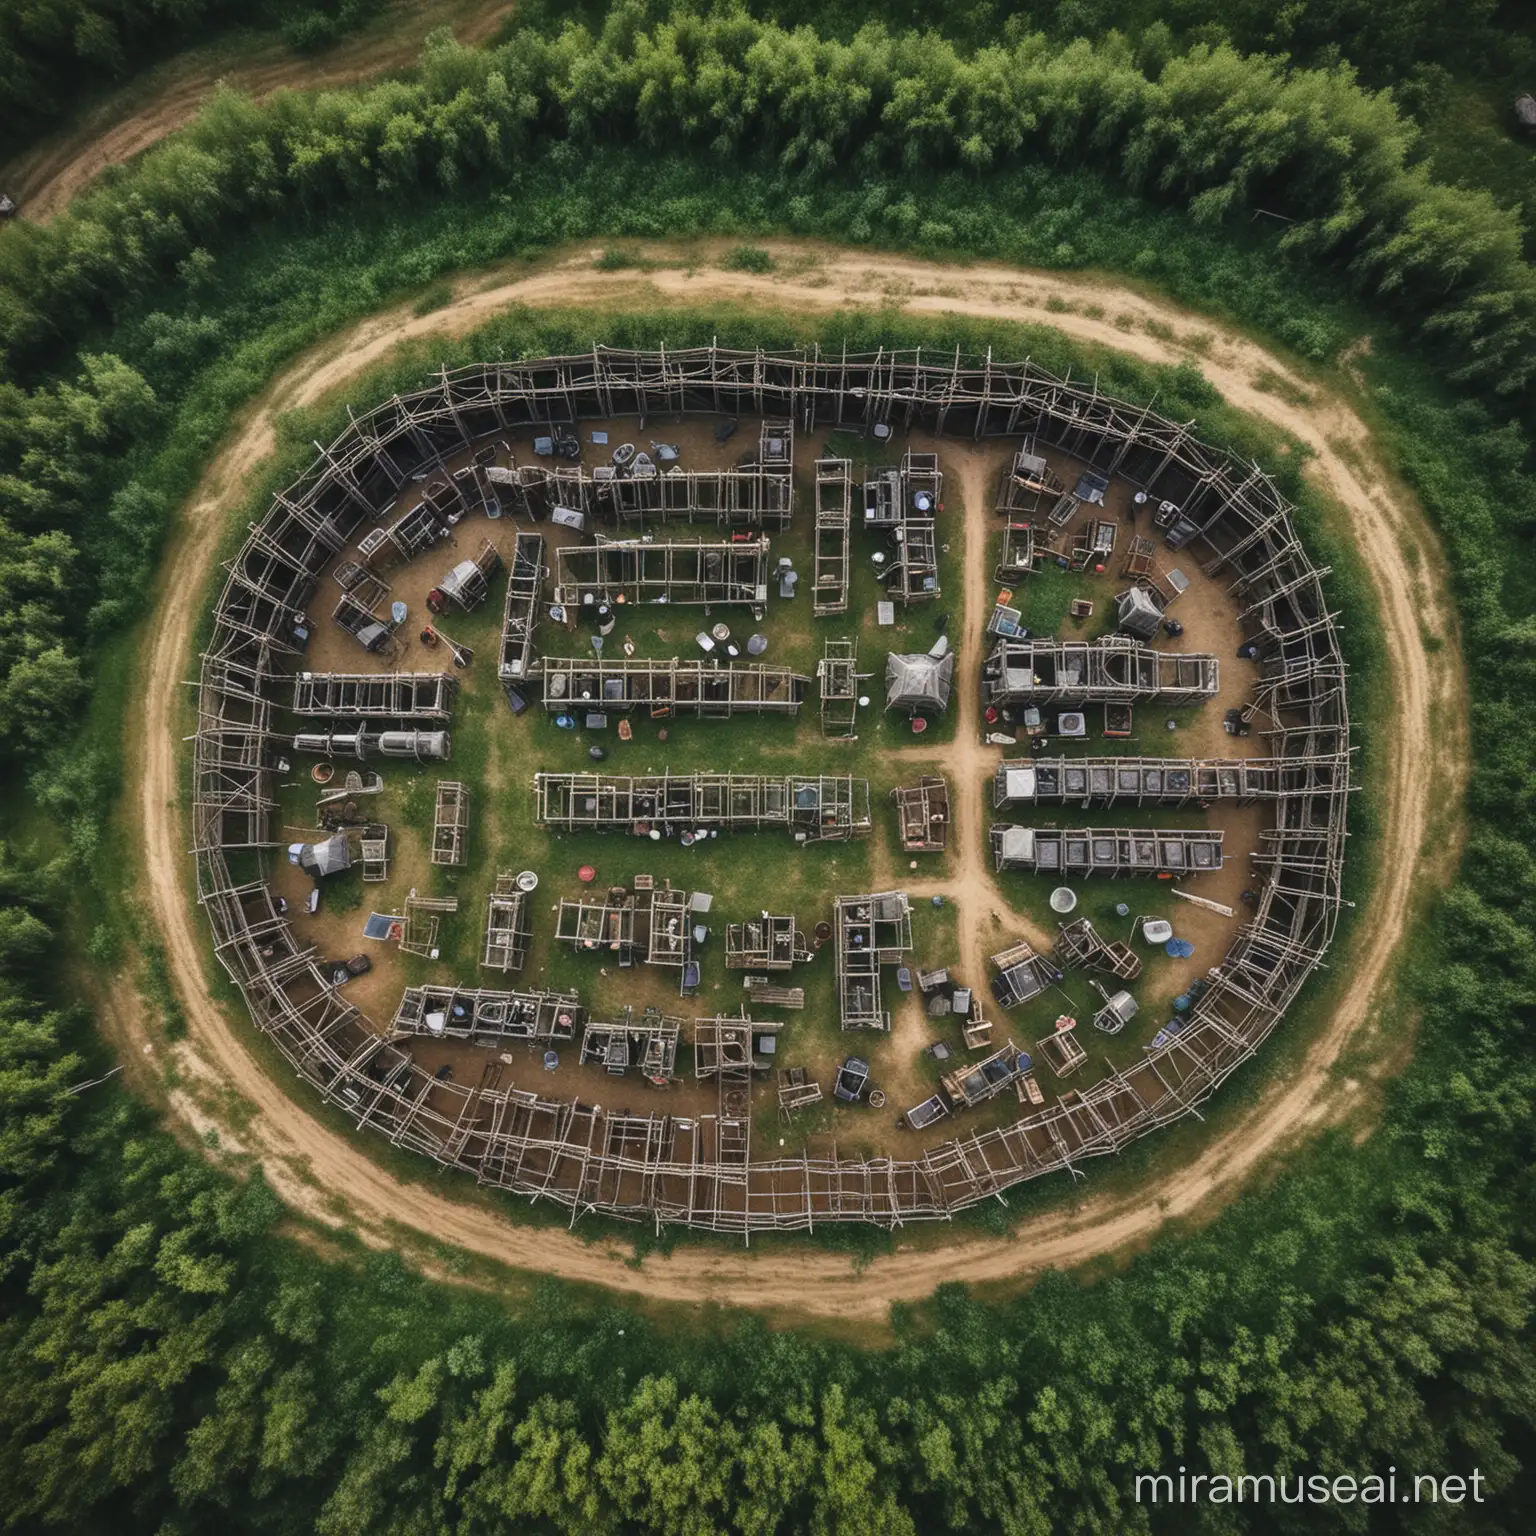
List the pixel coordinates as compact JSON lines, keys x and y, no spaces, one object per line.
{"x":990,"y":714}
{"x":437,"y":602}
{"x":1098,"y":570}
{"x":919,"y":725}
{"x":586,"y":874}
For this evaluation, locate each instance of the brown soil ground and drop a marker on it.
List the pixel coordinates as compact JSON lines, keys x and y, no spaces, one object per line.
{"x":330,"y":1177}
{"x":49,"y":175}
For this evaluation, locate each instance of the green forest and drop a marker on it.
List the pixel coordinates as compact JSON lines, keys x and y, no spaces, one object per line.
{"x":175,"y":1356}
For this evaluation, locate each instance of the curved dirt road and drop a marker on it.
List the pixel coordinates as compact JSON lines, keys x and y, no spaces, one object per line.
{"x":312,"y":1165}
{"x":46,"y":177}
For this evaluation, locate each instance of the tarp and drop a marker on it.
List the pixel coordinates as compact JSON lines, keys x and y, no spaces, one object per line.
{"x":919,"y":682}
{"x":321,"y":859}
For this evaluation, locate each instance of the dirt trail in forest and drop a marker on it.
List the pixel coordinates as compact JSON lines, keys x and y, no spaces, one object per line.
{"x":45,"y":178}
{"x":1405,"y":567}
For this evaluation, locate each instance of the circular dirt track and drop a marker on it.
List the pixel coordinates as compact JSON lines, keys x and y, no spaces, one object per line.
{"x":330,"y":1177}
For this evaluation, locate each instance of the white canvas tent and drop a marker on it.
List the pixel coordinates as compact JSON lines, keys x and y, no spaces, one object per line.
{"x":919,"y":682}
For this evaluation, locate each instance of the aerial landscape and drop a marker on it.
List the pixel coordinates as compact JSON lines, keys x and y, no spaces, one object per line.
{"x":771,"y":767}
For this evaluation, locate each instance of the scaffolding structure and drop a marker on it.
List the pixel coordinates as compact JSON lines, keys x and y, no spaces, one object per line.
{"x":977,"y":1081}
{"x":1080,"y":946}
{"x":768,"y":942}
{"x":1319,"y":767}
{"x":904,"y":503}
{"x":837,"y":680}
{"x":450,"y":822}
{"x":825,"y":809}
{"x":758,"y":492}
{"x":1021,"y":975}
{"x":706,"y":689}
{"x":731,"y":1048}
{"x":485,"y":1017}
{"x":1106,"y":850}
{"x":422,"y":923}
{"x":1026,"y":483}
{"x":795,"y":1092}
{"x":650,"y":926}
{"x":403,"y":696}
{"x":1016,"y":559}
{"x":682,"y":572}
{"x":870,"y":931}
{"x":697,"y":1170}
{"x":922,"y":811}
{"x":508,"y":926}
{"x":1114,"y":670}
{"x":834,"y":520}
{"x":520,"y":616}
{"x":373,"y":844}
{"x":647,"y":1044}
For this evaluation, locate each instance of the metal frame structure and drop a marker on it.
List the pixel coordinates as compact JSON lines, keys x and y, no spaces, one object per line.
{"x":1080,"y":946}
{"x":870,"y":931}
{"x":834,"y":521}
{"x":450,"y":822}
{"x":649,"y":926}
{"x":758,"y":492}
{"x":1319,"y":768}
{"x":508,"y":926}
{"x":648,"y":1044}
{"x":698,"y":1170}
{"x":680,"y":572}
{"x":825,"y":809}
{"x":405,"y":696}
{"x":922,"y":814}
{"x":725,"y":1047}
{"x":1114,"y":670}
{"x":837,"y":681}
{"x":1079,"y":852}
{"x":486,"y":1017}
{"x":706,"y":689}
{"x":520,"y":617}
{"x":769,"y":942}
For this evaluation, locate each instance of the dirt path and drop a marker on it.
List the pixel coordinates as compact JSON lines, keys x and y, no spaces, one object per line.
{"x":1426,"y":682}
{"x":968,"y":762}
{"x":45,"y":178}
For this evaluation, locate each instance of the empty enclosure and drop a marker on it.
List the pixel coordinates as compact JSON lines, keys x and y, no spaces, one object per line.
{"x":402,"y":696}
{"x":1082,"y":946}
{"x":520,"y":617}
{"x":685,"y":572}
{"x":834,"y":517}
{"x":450,"y":822}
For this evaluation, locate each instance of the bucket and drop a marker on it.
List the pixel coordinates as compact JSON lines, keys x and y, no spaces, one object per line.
{"x":1063,"y":899}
